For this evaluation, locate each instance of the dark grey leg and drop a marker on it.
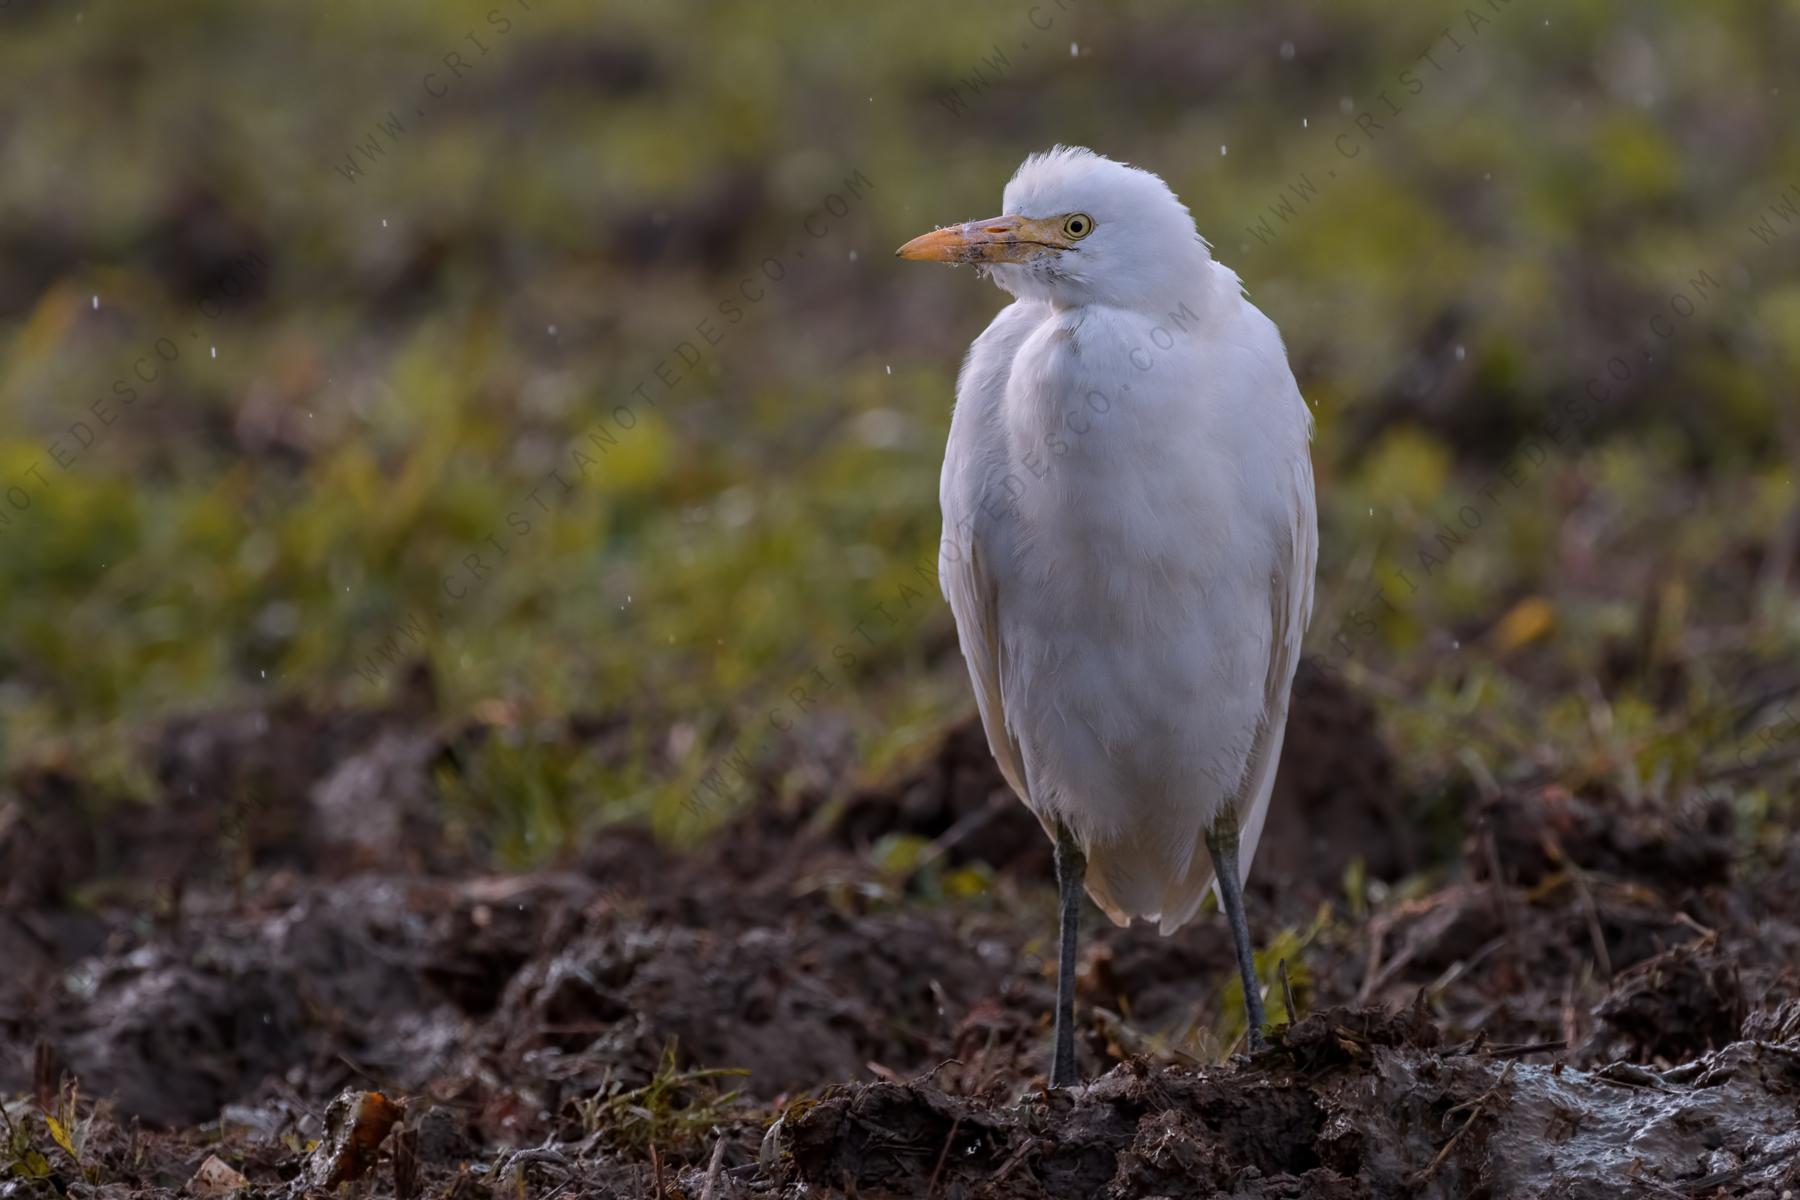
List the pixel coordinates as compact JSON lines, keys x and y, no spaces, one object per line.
{"x":1071,"y":868}
{"x":1222,"y":844}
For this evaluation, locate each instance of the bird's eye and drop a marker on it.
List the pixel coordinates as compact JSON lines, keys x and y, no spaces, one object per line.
{"x":1078,"y":226}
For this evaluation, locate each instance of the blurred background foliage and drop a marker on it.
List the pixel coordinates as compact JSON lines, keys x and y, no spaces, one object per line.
{"x":409,"y":257}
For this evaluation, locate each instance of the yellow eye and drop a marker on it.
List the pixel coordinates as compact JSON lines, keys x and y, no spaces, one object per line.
{"x":1078,"y":226}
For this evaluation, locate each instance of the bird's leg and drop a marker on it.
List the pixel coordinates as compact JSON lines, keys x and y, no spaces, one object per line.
{"x":1222,"y":844}
{"x":1071,"y":869}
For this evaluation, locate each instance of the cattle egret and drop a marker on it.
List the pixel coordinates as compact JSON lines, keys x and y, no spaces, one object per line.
{"x":1129,"y":544}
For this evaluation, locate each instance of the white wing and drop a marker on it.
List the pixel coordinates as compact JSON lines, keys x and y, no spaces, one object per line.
{"x":974,"y":535}
{"x":974,"y":602}
{"x":1291,"y":601}
{"x":1291,"y":594}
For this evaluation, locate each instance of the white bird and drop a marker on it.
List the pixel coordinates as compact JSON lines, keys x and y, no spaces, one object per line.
{"x":1129,"y":544}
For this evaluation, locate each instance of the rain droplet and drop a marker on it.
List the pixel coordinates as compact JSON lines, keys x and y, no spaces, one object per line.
{"x":384,"y":222}
{"x":890,"y":370}
{"x":1221,"y":152}
{"x":1287,"y":51}
{"x":853,"y":256}
{"x":215,"y":352}
{"x":96,"y":302}
{"x":1303,"y":122}
{"x":550,"y":329}
{"x":1074,"y":50}
{"x":1460,"y":352}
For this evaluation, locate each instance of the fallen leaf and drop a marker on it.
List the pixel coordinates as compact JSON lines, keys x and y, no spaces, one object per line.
{"x":30,"y":1164}
{"x":216,"y":1177}
{"x":1527,"y":621}
{"x":60,"y":1136}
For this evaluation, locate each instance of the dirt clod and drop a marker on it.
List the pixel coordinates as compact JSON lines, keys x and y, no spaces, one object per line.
{"x":1677,"y":1005}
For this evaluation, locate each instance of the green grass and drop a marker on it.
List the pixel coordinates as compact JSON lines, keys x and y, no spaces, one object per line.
{"x":433,"y":339}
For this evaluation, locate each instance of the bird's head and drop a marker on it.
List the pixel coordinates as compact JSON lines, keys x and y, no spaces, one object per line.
{"x":1078,"y":228}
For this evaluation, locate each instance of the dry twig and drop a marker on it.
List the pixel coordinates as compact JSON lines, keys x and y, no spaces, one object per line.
{"x":1478,"y":1105}
{"x":712,"y":1170}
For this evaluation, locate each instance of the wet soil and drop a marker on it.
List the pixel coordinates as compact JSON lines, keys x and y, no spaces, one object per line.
{"x":285,"y":964}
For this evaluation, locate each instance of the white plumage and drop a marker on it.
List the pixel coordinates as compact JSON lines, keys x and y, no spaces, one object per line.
{"x":1129,"y":527}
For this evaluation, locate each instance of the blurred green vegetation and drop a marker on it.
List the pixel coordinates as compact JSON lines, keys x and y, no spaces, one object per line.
{"x":375,"y":377}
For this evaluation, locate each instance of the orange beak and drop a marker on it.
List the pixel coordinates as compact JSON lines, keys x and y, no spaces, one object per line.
{"x":997,"y":240}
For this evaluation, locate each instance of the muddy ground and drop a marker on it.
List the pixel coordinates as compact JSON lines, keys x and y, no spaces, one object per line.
{"x":1558,"y":995}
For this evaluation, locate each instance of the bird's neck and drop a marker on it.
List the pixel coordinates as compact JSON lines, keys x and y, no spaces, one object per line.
{"x":1206,"y":294}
